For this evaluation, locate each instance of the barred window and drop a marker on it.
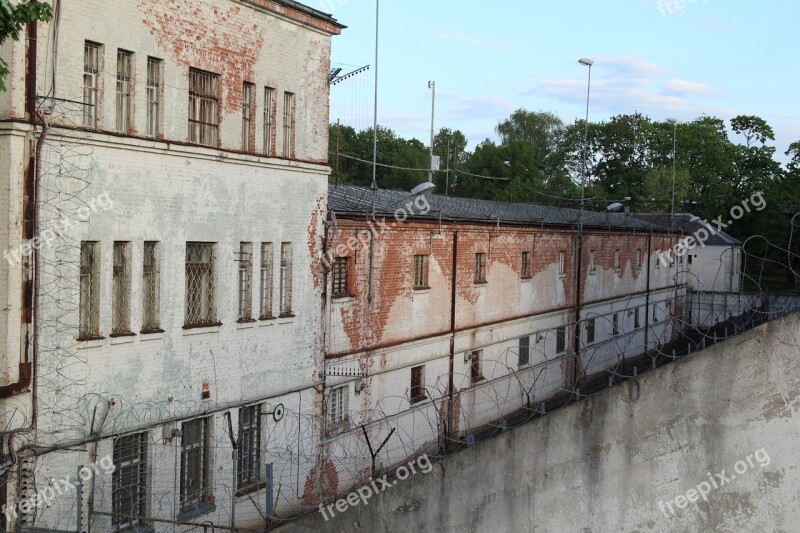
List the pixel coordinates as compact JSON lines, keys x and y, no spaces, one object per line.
{"x":286,"y":279}
{"x":420,"y":271}
{"x":89,"y":290}
{"x":524,"y":350}
{"x":615,"y":324}
{"x":266,"y":280}
{"x":590,"y":324}
{"x":248,"y":470}
{"x":129,"y":481}
{"x":195,"y":467}
{"x":124,"y":85}
{"x":525,"y":268}
{"x":638,"y":259}
{"x":418,"y":392}
{"x":203,"y":107}
{"x":340,"y":273}
{"x":636,"y":322}
{"x":476,"y":366}
{"x":617,"y":260}
{"x":480,"y":268}
{"x":245,"y":260}
{"x":248,"y":110}
{"x":288,"y":124}
{"x":269,"y":121}
{"x":121,"y":295}
{"x":592,"y":263}
{"x":151,"y":288}
{"x":91,"y":83}
{"x":337,"y":405}
{"x":658,"y":259}
{"x":561,"y":266}
{"x":561,"y":339}
{"x":154,"y":86}
{"x":200,"y":304}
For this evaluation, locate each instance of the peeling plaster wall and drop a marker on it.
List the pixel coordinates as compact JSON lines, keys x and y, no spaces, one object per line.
{"x":604,"y":464}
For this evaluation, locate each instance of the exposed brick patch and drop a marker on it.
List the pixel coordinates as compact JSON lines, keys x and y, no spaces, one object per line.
{"x":200,"y":34}
{"x":322,"y":483}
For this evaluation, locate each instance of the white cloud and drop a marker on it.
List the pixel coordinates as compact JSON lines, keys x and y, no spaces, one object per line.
{"x":680,"y":87}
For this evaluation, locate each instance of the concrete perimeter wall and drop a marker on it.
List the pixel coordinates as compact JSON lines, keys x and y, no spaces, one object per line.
{"x":605,"y":463}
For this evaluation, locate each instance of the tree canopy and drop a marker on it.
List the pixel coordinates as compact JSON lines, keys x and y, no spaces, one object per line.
{"x":13,"y":18}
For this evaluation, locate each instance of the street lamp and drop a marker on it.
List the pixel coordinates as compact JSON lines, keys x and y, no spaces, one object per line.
{"x":587,"y":62}
{"x":432,"y":87}
{"x":674,"y":122}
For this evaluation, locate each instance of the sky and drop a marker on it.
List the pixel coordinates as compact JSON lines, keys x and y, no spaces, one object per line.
{"x":663,"y":58}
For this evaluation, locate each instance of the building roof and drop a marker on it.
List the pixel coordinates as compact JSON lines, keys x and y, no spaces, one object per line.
{"x":280,"y":5}
{"x":689,"y":224}
{"x":357,"y":201}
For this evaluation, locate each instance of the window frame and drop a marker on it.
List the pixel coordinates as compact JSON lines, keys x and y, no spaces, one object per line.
{"x":421,"y":265}
{"x":244,"y":285}
{"x":338,"y":408}
{"x":525,"y":265}
{"x":289,"y":124}
{"x":92,"y":70}
{"x":561,"y":339}
{"x":591,"y":331}
{"x":266,"y":276}
{"x":286,"y":273}
{"x":524,"y":350}
{"x":417,"y":391}
{"x":89,"y":291}
{"x":154,"y":95}
{"x":248,"y":456}
{"x":124,"y":93}
{"x":204,"y":107}
{"x":480,"y":268}
{"x":137,"y":462}
{"x":340,"y":277}
{"x":476,"y":366}
{"x":592,"y":261}
{"x":205,"y":271}
{"x":121,"y":289}
{"x":151,"y":287}
{"x":194,"y":502}
{"x":248,"y":117}
{"x":562,"y":267}
{"x":615,"y":325}
{"x":269,"y":121}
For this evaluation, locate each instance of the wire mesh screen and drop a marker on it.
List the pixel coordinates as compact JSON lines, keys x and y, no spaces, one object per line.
{"x":200,"y":309}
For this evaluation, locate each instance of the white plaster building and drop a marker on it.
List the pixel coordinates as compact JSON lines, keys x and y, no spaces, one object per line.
{"x":180,"y":150}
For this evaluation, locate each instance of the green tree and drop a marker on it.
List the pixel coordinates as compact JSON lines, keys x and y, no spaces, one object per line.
{"x":13,"y":18}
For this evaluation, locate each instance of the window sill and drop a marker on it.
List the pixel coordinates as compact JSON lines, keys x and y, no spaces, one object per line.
{"x":478,"y":380}
{"x":246,"y":324}
{"x":201,"y":329}
{"x":201,"y":509}
{"x":286,"y":315}
{"x":244,"y":491}
{"x":246,"y":321}
{"x":418,"y":399}
{"x":266,"y":318}
{"x":422,"y":288}
{"x":339,"y":427}
{"x":85,"y":343}
{"x":152,"y":335}
{"x":562,"y":275}
{"x":151,"y":331}
{"x":481,"y":282}
{"x":343,"y":298}
{"x":122,"y":338}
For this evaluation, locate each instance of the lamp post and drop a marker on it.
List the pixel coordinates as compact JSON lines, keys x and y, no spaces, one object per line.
{"x":374,"y":186}
{"x":587,"y":62}
{"x":674,"y":122}
{"x":432,"y":87}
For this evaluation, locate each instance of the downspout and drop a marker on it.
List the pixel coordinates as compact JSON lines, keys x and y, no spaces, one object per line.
{"x":450,"y":377}
{"x":30,"y":224}
{"x":577,"y":366}
{"x":647,"y":294}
